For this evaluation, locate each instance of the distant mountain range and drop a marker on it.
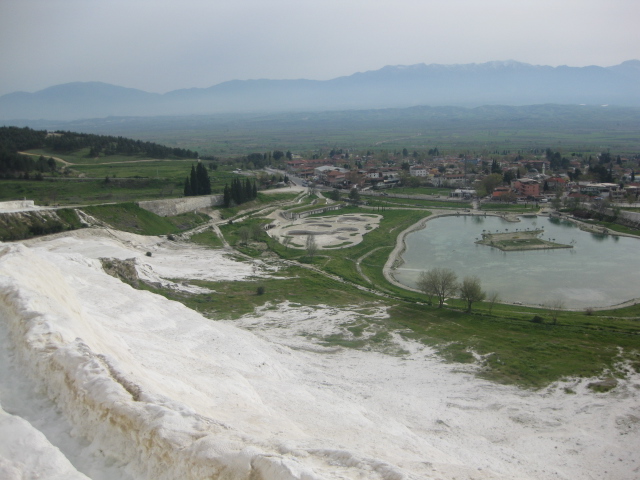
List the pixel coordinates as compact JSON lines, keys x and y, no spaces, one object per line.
{"x":470,"y":85}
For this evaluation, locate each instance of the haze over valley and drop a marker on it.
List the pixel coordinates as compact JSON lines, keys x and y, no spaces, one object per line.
{"x":471,"y":85}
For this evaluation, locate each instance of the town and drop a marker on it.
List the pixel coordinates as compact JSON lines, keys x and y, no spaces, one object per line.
{"x":539,"y":178}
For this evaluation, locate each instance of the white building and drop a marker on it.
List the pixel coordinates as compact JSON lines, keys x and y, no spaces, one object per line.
{"x":418,"y":171}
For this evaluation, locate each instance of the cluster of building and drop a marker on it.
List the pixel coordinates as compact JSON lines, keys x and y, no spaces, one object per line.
{"x":543,"y":187}
{"x":458,"y":173}
{"x":332,"y":172}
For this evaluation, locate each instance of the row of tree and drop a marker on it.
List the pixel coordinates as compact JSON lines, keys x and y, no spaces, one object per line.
{"x":14,"y":165}
{"x":261,"y":160}
{"x":110,"y":145}
{"x":15,"y":139}
{"x":239,"y":192}
{"x":198,"y":182}
{"x":443,"y":282}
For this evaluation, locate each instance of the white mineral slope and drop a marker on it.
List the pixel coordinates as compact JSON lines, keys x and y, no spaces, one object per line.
{"x":127,"y":384}
{"x":157,"y":259}
{"x":26,"y":453}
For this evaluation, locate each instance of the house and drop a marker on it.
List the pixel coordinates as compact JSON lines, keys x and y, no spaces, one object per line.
{"x":449,"y":180}
{"x":418,"y":171}
{"x":597,"y":188}
{"x":335,"y":177}
{"x":305,"y":168}
{"x":526,"y":187}
{"x":373,"y":174}
{"x":499,"y":192}
{"x":322,"y":171}
{"x":554,"y":183}
{"x":462,"y":193}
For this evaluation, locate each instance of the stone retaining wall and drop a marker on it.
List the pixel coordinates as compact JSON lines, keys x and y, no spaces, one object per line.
{"x":175,"y":206}
{"x":16,"y":205}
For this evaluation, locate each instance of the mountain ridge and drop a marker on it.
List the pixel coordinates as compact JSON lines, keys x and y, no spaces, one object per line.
{"x":492,"y":83}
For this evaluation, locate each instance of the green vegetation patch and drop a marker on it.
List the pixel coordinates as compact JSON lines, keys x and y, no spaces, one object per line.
{"x":231,"y":300}
{"x":509,"y":207}
{"x":208,"y":239}
{"x":129,"y":217}
{"x":73,"y":191}
{"x":514,"y":350}
{"x":414,"y":202}
{"x":22,"y":225}
{"x":187,"y":221}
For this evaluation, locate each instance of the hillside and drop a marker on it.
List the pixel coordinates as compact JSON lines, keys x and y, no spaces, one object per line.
{"x":493,"y":83}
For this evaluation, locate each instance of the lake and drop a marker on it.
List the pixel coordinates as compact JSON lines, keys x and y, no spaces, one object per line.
{"x":600,"y":270}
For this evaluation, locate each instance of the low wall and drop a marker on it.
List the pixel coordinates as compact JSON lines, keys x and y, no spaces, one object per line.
{"x":294,"y":216}
{"x":16,"y":205}
{"x":175,"y":206}
{"x":630,"y":218}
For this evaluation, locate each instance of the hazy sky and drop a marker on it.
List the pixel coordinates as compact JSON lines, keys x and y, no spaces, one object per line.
{"x":162,"y":45}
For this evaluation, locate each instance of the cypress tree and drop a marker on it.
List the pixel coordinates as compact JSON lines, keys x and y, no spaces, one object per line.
{"x":194,"y":182}
{"x":187,"y":188}
{"x":255,"y":191}
{"x":202,"y":177}
{"x":226,"y":196}
{"x":248,"y":190}
{"x":236,"y":191}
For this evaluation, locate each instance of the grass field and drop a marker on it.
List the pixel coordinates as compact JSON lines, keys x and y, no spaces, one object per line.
{"x":484,"y":130}
{"x":84,"y":192}
{"x":111,"y":179}
{"x":129,"y":217}
{"x":509,"y":207}
{"x":414,"y":202}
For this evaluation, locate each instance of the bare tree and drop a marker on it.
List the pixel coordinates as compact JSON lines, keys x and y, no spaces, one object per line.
{"x":438,"y":282}
{"x":256,"y":230}
{"x":471,"y":291}
{"x":245,"y":235}
{"x":425,"y":286}
{"x":555,"y":307}
{"x":311,"y":246}
{"x":493,"y":299}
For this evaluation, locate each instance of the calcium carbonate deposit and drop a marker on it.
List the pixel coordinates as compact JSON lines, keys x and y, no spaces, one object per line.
{"x":100,"y":380}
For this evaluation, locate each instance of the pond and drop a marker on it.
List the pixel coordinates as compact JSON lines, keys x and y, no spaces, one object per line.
{"x":600,"y":270}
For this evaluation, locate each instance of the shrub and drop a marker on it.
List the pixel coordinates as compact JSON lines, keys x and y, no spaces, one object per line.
{"x":603,"y":386}
{"x":537,"y":319}
{"x":260,"y":290}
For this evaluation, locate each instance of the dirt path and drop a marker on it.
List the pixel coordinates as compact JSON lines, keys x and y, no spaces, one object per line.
{"x":67,"y":163}
{"x":359,"y":261}
{"x":57,"y":159}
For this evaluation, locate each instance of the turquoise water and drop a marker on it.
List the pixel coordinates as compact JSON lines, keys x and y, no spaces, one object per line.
{"x":600,"y":270}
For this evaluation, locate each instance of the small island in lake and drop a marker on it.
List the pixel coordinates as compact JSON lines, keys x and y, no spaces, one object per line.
{"x":519,"y":240}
